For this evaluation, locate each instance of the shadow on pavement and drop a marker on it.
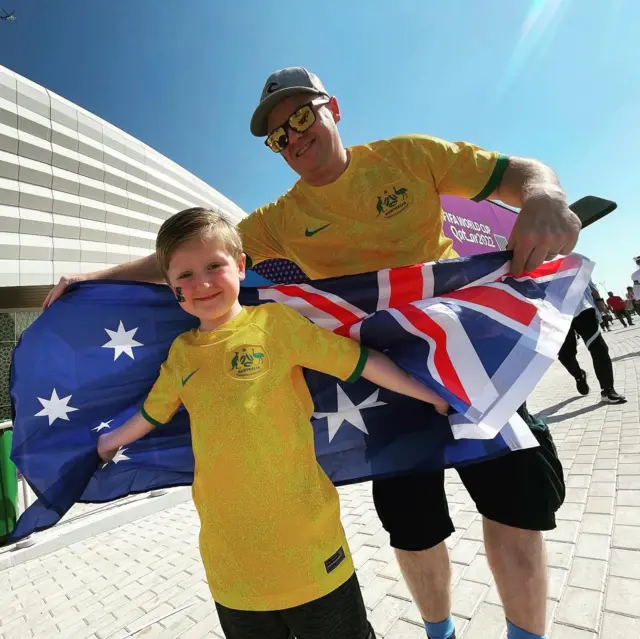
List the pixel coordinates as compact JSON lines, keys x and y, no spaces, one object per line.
{"x":625,"y":356}
{"x":547,"y":412}
{"x":581,"y":411}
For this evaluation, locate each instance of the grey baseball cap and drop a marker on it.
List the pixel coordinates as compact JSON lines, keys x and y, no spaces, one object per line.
{"x":280,"y":85}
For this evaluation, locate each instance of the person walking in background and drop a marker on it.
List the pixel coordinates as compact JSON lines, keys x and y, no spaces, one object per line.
{"x":586,"y":324}
{"x":635,"y":277}
{"x":604,"y":317}
{"x":617,"y":306}
{"x":633,"y":305}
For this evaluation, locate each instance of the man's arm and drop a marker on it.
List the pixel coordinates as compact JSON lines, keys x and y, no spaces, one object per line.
{"x":545,"y":225}
{"x":145,"y":269}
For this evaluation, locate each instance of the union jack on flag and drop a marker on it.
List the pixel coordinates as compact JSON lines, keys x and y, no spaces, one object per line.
{"x":466,"y":328}
{"x":485,"y":337}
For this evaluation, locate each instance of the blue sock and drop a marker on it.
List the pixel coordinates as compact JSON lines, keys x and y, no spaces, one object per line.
{"x":513,"y":632}
{"x":441,"y":630}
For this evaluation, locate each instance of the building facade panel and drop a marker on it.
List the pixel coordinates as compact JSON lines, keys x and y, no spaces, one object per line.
{"x":77,"y":195}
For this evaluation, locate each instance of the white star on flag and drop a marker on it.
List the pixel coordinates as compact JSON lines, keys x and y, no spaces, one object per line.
{"x":122,"y":341}
{"x":349,"y":412}
{"x":118,"y":457}
{"x":55,"y":408}
{"x":102,"y":426}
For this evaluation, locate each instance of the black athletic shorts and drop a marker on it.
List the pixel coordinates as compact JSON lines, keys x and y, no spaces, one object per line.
{"x":523,"y":489}
{"x":339,"y":615}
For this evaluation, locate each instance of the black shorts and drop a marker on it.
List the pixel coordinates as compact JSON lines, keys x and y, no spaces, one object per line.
{"x":340,"y":615}
{"x":523,"y":489}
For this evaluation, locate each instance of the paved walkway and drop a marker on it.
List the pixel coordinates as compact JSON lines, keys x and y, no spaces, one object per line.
{"x":145,"y":579}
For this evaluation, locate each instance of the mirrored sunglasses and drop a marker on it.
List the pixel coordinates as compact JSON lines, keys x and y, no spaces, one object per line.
{"x":302,"y":119}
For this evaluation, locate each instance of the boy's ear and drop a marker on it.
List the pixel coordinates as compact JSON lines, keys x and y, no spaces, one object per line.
{"x":242,"y":266}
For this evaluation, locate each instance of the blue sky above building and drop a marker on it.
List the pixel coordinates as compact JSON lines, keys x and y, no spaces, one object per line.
{"x":551,"y":79}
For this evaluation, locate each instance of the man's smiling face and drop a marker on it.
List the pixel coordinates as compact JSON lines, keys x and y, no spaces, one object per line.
{"x":311,"y":152}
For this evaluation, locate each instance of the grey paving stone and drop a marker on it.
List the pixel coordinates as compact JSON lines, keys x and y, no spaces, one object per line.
{"x":566,"y":531}
{"x":487,"y":623}
{"x":619,"y":627}
{"x":402,"y":629}
{"x":464,"y":551}
{"x":625,"y":563}
{"x":588,"y":573}
{"x":597,"y":524}
{"x":557,"y":580}
{"x":602,"y":505}
{"x":593,"y":546}
{"x":466,"y":597}
{"x":627,"y":515}
{"x":559,"y":554}
{"x":623,"y":596}
{"x":558,"y":631}
{"x":387,"y":612}
{"x":628,"y":498}
{"x":579,"y":607}
{"x":478,"y":570}
{"x":626,"y":537}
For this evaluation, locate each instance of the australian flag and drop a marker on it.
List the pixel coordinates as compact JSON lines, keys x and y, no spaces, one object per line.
{"x":467,"y":328}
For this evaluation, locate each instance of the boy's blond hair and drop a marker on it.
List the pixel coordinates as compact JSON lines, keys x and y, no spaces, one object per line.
{"x":195,"y":222}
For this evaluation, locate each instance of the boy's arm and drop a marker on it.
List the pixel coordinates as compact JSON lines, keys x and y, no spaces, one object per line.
{"x":382,"y":371}
{"x":321,"y":350}
{"x":159,"y":407}
{"x":132,"y":430}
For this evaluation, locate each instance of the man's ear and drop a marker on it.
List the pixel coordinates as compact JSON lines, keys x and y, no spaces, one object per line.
{"x":242,"y":266}
{"x":334,"y":107}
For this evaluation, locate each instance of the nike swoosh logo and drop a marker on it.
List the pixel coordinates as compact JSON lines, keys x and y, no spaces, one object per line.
{"x":188,"y":377}
{"x":311,"y":233}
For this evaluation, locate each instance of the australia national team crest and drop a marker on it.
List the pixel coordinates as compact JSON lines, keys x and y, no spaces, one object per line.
{"x":393,"y":200}
{"x":247,"y":361}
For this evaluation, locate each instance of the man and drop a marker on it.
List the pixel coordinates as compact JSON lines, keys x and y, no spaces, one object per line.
{"x":376,"y":206}
{"x":586,"y":324}
{"x":616,"y":304}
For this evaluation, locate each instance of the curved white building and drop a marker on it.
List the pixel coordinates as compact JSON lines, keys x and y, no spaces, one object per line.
{"x":76,"y":193}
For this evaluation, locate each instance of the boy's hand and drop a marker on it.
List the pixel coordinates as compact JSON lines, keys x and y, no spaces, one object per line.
{"x":106,"y":454}
{"x":441,"y":407}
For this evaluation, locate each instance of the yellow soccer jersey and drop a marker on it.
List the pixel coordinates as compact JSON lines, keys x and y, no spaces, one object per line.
{"x":271,"y":535}
{"x":384,"y":211}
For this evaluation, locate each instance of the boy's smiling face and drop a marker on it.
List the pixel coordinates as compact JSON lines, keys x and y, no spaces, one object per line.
{"x":205,"y":278}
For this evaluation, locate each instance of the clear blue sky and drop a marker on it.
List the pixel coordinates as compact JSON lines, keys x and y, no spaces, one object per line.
{"x":552,"y":79}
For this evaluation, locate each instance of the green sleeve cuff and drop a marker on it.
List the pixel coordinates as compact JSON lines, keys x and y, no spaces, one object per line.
{"x":496,"y":177}
{"x":357,"y":372}
{"x":150,"y":419}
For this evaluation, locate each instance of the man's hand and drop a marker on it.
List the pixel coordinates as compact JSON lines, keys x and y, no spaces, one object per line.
{"x":545,"y":227}
{"x":60,"y":288}
{"x":145,"y":269}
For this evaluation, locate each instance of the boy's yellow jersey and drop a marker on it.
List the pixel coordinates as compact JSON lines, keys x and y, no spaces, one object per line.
{"x":271,"y":535}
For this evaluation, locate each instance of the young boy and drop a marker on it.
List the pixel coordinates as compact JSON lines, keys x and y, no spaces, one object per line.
{"x":271,"y":540}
